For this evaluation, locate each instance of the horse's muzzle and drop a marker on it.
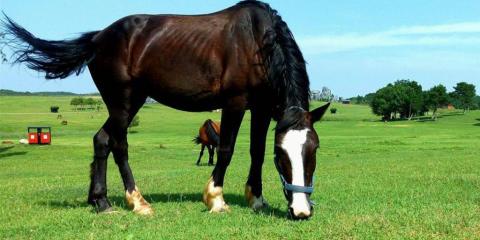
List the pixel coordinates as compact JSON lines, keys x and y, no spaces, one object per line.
{"x":300,"y":215}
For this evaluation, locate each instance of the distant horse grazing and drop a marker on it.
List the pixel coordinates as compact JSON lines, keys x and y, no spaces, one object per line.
{"x":243,"y":57}
{"x":208,"y":136}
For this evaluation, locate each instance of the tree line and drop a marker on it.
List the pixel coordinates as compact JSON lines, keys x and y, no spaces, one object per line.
{"x":81,"y":103}
{"x":405,"y":99}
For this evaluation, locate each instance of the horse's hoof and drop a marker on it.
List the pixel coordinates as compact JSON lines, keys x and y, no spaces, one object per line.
{"x":109,"y":210}
{"x":255,"y":203}
{"x":220,"y":209}
{"x":101,"y":205}
{"x":145,"y":211}
{"x":213,"y":198}
{"x":137,"y":203}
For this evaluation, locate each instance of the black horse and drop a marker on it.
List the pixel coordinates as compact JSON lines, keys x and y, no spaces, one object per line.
{"x":240,"y":58}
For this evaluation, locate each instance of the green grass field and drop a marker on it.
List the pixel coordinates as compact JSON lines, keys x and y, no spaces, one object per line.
{"x":374,"y":180}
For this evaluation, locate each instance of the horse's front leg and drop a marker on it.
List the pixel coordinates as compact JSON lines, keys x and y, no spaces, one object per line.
{"x":213,"y":193}
{"x":258,"y":133}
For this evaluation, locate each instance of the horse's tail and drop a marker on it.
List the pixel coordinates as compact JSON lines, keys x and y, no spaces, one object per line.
{"x":212,"y":135}
{"x":283,"y":60}
{"x":197,"y":140}
{"x":58,"y":59}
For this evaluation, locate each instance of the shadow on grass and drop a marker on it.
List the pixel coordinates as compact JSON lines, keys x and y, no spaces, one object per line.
{"x":477,"y":124}
{"x":426,"y":119}
{"x":231,"y":199}
{"x":9,"y":154}
{"x":3,"y":149}
{"x":59,"y":204}
{"x":417,"y":119}
{"x":119,"y":201}
{"x":452,"y":114}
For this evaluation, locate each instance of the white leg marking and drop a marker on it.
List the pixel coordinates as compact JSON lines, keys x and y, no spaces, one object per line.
{"x":258,"y":203}
{"x":292,"y":143}
{"x":213,"y":198}
{"x":254,"y":202}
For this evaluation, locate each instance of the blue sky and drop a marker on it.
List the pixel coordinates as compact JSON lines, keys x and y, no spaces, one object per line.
{"x":353,"y":47}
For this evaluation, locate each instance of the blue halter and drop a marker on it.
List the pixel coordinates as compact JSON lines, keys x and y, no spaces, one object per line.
{"x":295,"y":188}
{"x":292,"y":187}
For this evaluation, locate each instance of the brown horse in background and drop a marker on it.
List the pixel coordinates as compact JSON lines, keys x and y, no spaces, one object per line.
{"x":240,"y":58}
{"x":208,"y":136}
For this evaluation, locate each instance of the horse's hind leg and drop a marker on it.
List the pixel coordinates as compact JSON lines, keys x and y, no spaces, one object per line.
{"x":201,"y":154}
{"x":121,"y":119}
{"x":211,"y":153}
{"x":97,"y":195}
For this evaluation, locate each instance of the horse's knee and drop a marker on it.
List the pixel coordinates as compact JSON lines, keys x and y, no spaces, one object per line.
{"x":101,"y":143}
{"x":225,"y":151}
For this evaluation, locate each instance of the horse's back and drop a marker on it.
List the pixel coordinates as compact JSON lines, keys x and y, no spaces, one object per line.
{"x":190,"y":63}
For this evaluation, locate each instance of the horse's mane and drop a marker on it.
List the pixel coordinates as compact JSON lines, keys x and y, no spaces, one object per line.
{"x":283,"y":61}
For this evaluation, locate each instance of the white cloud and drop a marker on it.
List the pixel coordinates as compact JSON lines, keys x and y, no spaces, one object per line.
{"x":457,"y":34}
{"x":466,"y":27}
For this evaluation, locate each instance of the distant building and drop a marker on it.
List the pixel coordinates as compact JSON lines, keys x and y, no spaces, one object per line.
{"x":316,"y":95}
{"x":346,"y":101}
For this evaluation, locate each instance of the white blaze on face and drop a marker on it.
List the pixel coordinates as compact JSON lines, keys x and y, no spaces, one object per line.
{"x":292,"y":143}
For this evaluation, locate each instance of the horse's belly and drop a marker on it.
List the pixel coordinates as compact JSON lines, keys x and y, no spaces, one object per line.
{"x":193,"y":101}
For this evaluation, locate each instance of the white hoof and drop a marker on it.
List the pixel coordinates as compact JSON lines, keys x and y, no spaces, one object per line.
{"x":137,"y":203}
{"x":213,"y":198}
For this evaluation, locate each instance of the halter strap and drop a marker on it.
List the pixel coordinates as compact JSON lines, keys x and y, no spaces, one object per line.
{"x":292,"y":187}
{"x":295,"y":188}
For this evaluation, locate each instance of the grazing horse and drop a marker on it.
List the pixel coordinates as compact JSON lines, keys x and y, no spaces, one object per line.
{"x":240,"y":58}
{"x":208,"y":136}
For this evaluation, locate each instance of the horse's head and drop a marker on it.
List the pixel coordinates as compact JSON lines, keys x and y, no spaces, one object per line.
{"x":296,"y":144}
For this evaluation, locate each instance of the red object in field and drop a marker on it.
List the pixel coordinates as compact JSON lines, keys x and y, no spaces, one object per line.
{"x":32,"y":138}
{"x":45,"y":138}
{"x":39,"y":135}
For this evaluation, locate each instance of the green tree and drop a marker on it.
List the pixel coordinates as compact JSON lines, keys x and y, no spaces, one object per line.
{"x":436,"y":97}
{"x":409,"y":98}
{"x":464,"y":94}
{"x":75,"y":102}
{"x":382,"y":103}
{"x":368,"y":98}
{"x":90,"y":102}
{"x":98,"y":104}
{"x":477,"y":102}
{"x":403,"y":98}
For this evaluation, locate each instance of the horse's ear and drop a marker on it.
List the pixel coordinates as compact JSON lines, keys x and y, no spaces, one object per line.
{"x":318,"y":113}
